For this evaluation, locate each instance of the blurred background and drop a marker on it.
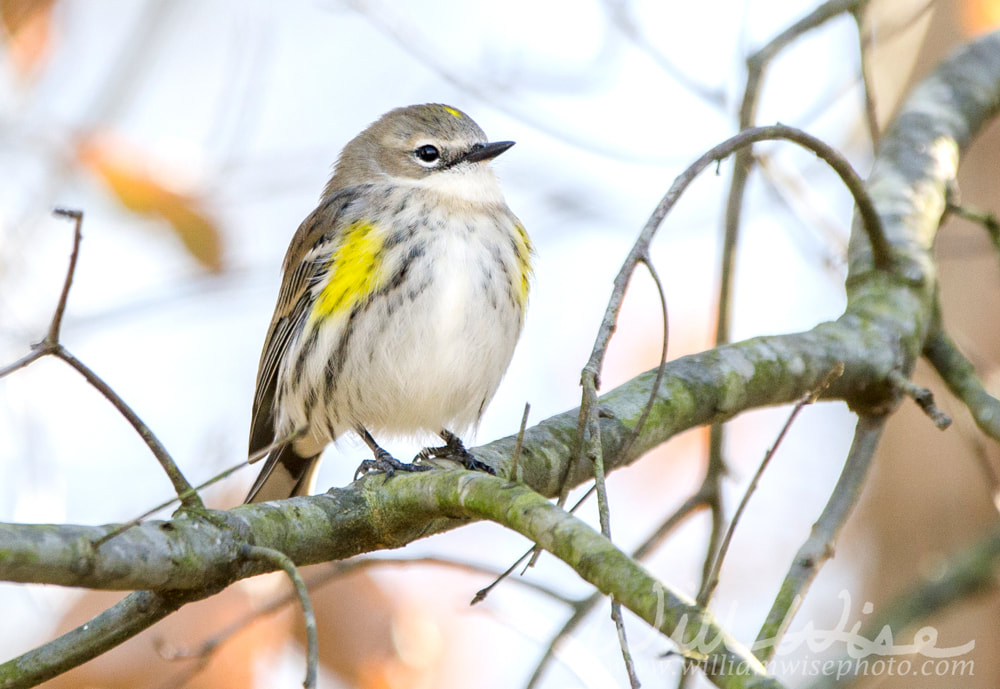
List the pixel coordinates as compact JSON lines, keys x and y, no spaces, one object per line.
{"x":196,"y":136}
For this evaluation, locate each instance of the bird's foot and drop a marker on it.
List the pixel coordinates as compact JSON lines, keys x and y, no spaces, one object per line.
{"x":386,"y":464}
{"x":454,"y":449}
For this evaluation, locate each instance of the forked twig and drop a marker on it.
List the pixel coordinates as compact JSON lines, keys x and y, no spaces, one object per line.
{"x":51,"y":345}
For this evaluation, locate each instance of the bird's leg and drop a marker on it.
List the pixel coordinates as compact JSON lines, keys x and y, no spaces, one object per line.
{"x":454,"y":449}
{"x":383,"y":461}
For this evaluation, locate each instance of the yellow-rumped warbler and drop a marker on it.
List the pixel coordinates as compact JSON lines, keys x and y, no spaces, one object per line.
{"x":402,"y":298}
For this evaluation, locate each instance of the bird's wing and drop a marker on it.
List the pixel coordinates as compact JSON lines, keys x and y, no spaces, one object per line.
{"x":300,"y":270}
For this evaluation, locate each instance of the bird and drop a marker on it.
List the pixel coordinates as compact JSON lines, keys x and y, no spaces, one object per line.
{"x":402,"y":298}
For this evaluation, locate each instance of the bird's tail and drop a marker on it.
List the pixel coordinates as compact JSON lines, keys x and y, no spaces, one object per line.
{"x":285,"y":474}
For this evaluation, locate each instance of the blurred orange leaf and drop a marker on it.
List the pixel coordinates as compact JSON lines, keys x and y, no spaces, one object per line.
{"x":979,"y":16}
{"x":26,"y":26}
{"x":134,"y":179}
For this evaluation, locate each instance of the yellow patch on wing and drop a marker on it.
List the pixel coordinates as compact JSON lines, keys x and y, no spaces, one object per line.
{"x":523,"y":247}
{"x":452,"y":111}
{"x":355,"y":271}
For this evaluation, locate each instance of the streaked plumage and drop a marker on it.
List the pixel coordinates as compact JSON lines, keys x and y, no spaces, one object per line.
{"x":403,"y":296}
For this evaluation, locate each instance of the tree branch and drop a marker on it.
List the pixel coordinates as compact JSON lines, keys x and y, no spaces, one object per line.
{"x":960,"y":376}
{"x":819,"y":547}
{"x":455,"y":494}
{"x":134,"y":613}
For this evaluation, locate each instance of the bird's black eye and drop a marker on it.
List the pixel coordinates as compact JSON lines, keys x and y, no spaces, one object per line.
{"x":427,"y":154}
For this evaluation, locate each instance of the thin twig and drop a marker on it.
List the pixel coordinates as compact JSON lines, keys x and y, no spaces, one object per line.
{"x":640,"y":248}
{"x":819,"y":547}
{"x":715,"y":471}
{"x":922,"y":396}
{"x":757,"y":64}
{"x":51,"y":345}
{"x":661,"y":367}
{"x":256,"y":456}
{"x":616,"y":615}
{"x":595,"y":453}
{"x":810,"y":398}
{"x":316,"y":580}
{"x":986,"y":219}
{"x":516,"y":455}
{"x":52,"y":338}
{"x":533,"y":552}
{"x":486,"y":590}
{"x":185,"y":493}
{"x":959,"y":375}
{"x":864,"y":42}
{"x":626,"y":23}
{"x":279,"y":559}
{"x":26,"y":360}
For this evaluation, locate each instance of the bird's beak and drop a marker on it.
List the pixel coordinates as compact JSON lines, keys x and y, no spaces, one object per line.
{"x":482,"y":152}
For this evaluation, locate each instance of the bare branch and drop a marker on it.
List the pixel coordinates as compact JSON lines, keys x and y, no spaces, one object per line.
{"x":52,"y":338}
{"x":864,"y":45}
{"x":516,"y":456}
{"x":52,"y":346}
{"x":456,"y":494}
{"x":134,"y":613}
{"x":334,"y":570}
{"x":818,"y":548}
{"x":26,"y":360}
{"x":987,"y":220}
{"x":922,"y":396}
{"x":960,"y":376}
{"x":226,"y":473}
{"x":713,"y":579}
{"x":279,"y":559}
{"x":185,"y":493}
{"x":757,"y":65}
